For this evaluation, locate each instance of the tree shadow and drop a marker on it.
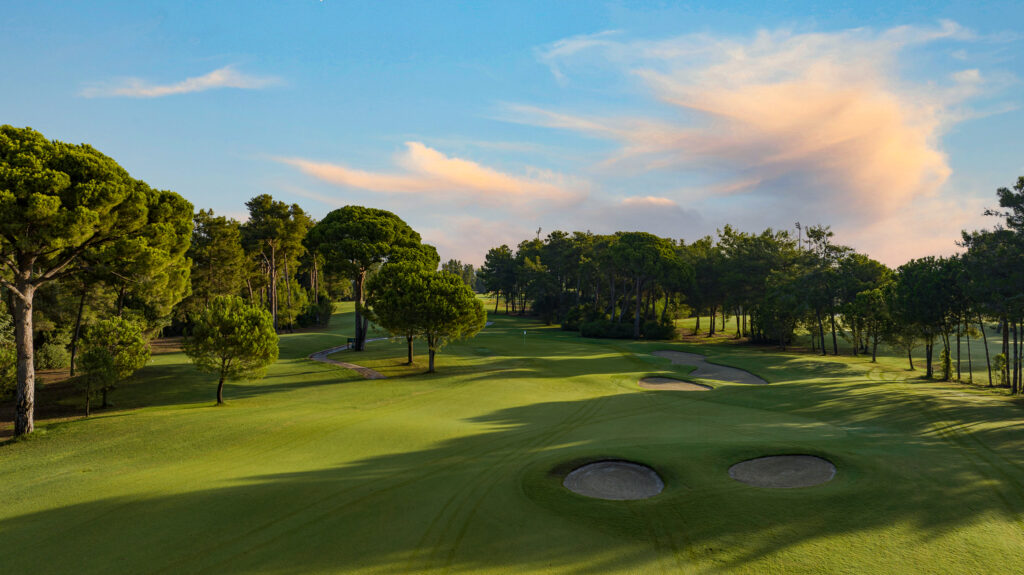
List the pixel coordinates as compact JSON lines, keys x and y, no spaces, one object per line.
{"x":493,"y":499}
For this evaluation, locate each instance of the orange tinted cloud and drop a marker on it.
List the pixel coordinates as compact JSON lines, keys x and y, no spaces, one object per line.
{"x":428,"y":171}
{"x":819,"y":126}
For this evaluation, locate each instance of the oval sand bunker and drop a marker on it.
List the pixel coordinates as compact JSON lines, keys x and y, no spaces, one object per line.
{"x":784,"y":471}
{"x":672,"y":384}
{"x":615,"y":480}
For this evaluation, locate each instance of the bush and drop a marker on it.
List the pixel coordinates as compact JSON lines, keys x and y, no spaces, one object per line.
{"x":52,"y":355}
{"x":316,"y":314}
{"x":658,"y":329}
{"x":606,"y":328}
{"x":580,"y":314}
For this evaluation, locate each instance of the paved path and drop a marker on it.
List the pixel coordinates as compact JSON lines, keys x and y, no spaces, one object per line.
{"x":366,"y":372}
{"x":707,"y":370}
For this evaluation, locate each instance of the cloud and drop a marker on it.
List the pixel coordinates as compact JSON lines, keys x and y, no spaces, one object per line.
{"x":428,"y":173}
{"x":467,"y":238}
{"x":800,"y":125}
{"x":648,"y":201}
{"x":226,"y":77}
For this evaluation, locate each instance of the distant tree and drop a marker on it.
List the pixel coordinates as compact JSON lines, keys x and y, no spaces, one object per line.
{"x":113,"y":349}
{"x":449,"y":310}
{"x":499,"y":275}
{"x":233,"y":340}
{"x":274,"y":236}
{"x":354,"y":239}
{"x":218,"y":260}
{"x":74,"y":202}
{"x":642,"y":256}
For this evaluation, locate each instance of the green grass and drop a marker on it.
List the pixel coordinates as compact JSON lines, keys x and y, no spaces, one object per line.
{"x":314,"y":470}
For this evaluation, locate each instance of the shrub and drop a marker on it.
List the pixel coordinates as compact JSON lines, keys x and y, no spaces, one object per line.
{"x":581,"y":314}
{"x":606,"y":328}
{"x":52,"y":355}
{"x":652,"y":329}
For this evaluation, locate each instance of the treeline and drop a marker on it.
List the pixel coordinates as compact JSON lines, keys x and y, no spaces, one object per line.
{"x":775,"y":285}
{"x":95,"y":263}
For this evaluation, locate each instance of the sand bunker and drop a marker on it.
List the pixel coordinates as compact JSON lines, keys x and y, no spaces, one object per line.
{"x":615,"y":480}
{"x":673,"y":384}
{"x":707,"y":370}
{"x":784,"y":471}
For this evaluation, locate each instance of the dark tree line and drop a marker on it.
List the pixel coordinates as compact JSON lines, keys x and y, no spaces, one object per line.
{"x":632,"y":284}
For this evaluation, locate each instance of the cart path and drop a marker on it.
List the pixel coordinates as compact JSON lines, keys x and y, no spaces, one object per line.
{"x":366,"y":372}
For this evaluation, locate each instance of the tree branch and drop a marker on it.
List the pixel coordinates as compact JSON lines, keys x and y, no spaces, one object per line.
{"x":13,"y":289}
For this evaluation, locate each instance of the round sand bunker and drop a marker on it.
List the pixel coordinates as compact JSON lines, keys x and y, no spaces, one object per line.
{"x":672,"y":384}
{"x":784,"y":471}
{"x":615,"y":480}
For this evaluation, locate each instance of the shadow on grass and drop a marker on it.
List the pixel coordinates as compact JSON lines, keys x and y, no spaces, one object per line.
{"x":489,"y":500}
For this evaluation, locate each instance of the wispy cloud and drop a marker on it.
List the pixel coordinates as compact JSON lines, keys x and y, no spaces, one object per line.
{"x":226,"y":77}
{"x":429,"y":173}
{"x":821,"y":124}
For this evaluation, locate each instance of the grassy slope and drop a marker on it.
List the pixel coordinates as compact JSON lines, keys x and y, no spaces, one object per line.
{"x":315,"y":470}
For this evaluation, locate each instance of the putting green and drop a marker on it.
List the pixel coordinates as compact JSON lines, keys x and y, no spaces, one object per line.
{"x":317,"y":470}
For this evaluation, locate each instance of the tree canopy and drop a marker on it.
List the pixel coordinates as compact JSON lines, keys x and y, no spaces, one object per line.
{"x":114,"y":349}
{"x":77,"y":203}
{"x":233,"y":340}
{"x":354,"y":239}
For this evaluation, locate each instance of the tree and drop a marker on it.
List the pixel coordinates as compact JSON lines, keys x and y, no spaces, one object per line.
{"x":448,"y":310}
{"x":113,"y":349}
{"x":233,"y":340}
{"x":499,"y":274}
{"x":354,"y":239}
{"x":394,"y":301}
{"x":59,"y":204}
{"x":218,"y":260}
{"x":274,"y":235}
{"x":642,"y":255}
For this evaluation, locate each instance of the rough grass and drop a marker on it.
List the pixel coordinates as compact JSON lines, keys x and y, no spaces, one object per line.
{"x":315,"y":470}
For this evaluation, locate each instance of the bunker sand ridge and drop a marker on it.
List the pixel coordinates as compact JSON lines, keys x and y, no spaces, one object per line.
{"x":707,"y":370}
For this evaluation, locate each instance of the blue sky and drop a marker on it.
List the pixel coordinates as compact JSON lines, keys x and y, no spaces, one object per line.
{"x":480,"y":122}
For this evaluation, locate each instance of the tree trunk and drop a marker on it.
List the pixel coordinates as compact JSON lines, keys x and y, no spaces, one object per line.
{"x":874,"y":348}
{"x":711,"y":321}
{"x":497,"y":300}
{"x":88,"y":402}
{"x":408,"y":339}
{"x":697,"y":329}
{"x":120,"y":300}
{"x":928,"y":371}
{"x":360,"y":343}
{"x":220,"y":384}
{"x":77,"y":331}
{"x":821,"y":334}
{"x":288,"y":293}
{"x":24,"y":417}
{"x":430,"y":354}
{"x":1016,"y":363}
{"x":273,"y":284}
{"x":984,"y":339}
{"x":636,"y":313}
{"x":248,"y":284}
{"x":970,"y":362}
{"x":910,"y":358}
{"x":958,"y":373}
{"x":835,"y":344}
{"x":105,"y":404}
